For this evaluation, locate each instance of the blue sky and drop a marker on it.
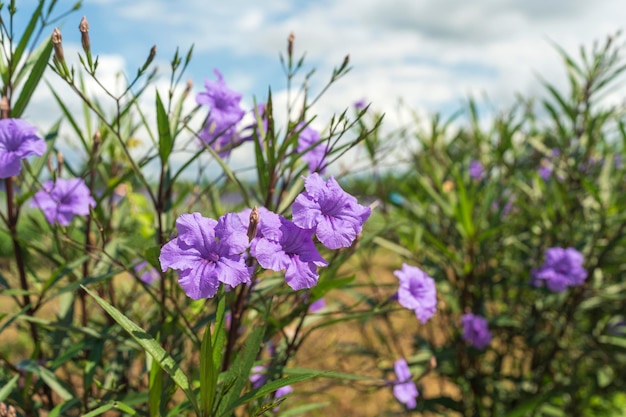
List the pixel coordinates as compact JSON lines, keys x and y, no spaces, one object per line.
{"x":431,"y":53}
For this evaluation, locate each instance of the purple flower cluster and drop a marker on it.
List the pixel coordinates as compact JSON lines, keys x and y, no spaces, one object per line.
{"x":62,"y":199}
{"x":476,"y":331}
{"x":476,"y":170}
{"x":18,"y":140}
{"x":258,"y":377}
{"x":147,"y":274}
{"x":417,"y":292}
{"x":207,"y":252}
{"x":563,"y":268}
{"x":220,"y":130}
{"x":404,"y":388}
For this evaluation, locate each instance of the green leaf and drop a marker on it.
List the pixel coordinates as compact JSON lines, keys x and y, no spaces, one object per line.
{"x":267,"y":389}
{"x":100,"y":410}
{"x":166,"y":142}
{"x":25,"y":38}
{"x":48,"y":377}
{"x":208,"y":379}
{"x":526,"y":407}
{"x":60,"y":409}
{"x":237,"y":375}
{"x":155,"y":388}
{"x":151,"y":346}
{"x":36,"y":73}
{"x":6,"y":389}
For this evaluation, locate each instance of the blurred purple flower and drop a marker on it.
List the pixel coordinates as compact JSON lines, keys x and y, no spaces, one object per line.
{"x":225,"y":112}
{"x":476,"y":331}
{"x":63,"y":199}
{"x":281,"y":245}
{"x":281,"y":392}
{"x":206,"y":253}
{"x":258,"y":376}
{"x":563,"y":268}
{"x":147,"y":273}
{"x":222,"y":101}
{"x":476,"y":170}
{"x":404,"y":388}
{"x":545,"y":170}
{"x":313,"y":154}
{"x":617,"y":161}
{"x":334,"y":215}
{"x":18,"y":140}
{"x":360,"y":104}
{"x":417,"y":292}
{"x":317,"y":305}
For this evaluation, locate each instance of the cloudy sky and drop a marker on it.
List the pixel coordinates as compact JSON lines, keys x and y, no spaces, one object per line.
{"x":431,"y":53}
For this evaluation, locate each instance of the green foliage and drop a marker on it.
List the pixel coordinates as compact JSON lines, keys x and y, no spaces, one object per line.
{"x":480,"y":238}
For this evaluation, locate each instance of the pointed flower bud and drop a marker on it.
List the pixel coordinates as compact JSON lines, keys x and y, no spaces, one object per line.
{"x":254,"y":222}
{"x":84,"y":34}
{"x":290,"y":40}
{"x":58,"y":46}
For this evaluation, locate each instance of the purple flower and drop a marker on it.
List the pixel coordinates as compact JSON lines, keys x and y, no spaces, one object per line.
{"x":281,"y":245}
{"x":147,"y":274}
{"x":335,"y":216}
{"x":545,"y":170}
{"x":281,"y":392}
{"x":476,"y":331}
{"x":258,"y":376}
{"x":317,"y":305}
{"x":224,"y":113}
{"x":62,"y":199}
{"x":404,"y":388}
{"x":314,"y":151}
{"x":563,"y":268}
{"x":206,"y":253}
{"x":417,"y":292}
{"x":18,"y":140}
{"x":222,"y":101}
{"x":360,"y":104}
{"x":476,"y":170}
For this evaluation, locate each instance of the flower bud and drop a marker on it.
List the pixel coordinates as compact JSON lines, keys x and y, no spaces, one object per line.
{"x":84,"y":34}
{"x":290,"y":40}
{"x":4,"y":108}
{"x":254,"y":222}
{"x":58,"y":46}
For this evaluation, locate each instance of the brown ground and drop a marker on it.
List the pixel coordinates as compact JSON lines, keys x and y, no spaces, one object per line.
{"x":367,"y":347}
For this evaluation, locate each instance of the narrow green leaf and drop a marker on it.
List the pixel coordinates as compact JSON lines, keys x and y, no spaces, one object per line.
{"x":61,"y":408}
{"x":238,"y":373}
{"x":36,"y":73}
{"x":100,"y":410}
{"x":6,"y":389}
{"x":151,"y":346}
{"x":208,"y":378}
{"x":165,"y":135}
{"x":25,"y":38}
{"x":48,"y":377}
{"x":219,"y":335}
{"x":267,"y":389}
{"x":526,"y":407}
{"x":155,"y":389}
